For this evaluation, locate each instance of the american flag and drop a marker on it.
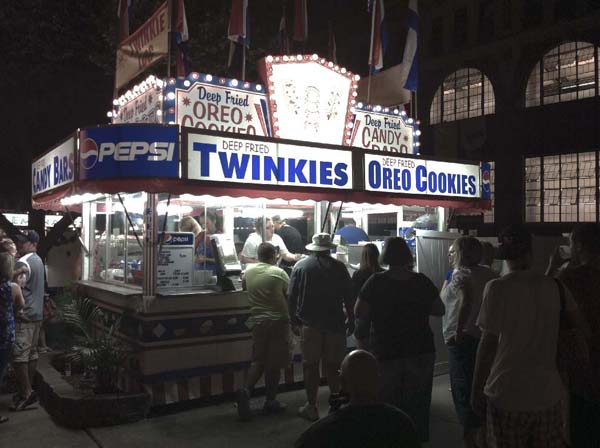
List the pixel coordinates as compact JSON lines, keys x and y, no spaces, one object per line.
{"x":378,"y":35}
{"x":123,"y":14}
{"x":238,"y":30}
{"x":182,"y":38}
{"x":300,"y":20}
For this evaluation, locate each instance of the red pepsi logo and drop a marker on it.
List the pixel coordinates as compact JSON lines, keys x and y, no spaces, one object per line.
{"x":88,"y":154}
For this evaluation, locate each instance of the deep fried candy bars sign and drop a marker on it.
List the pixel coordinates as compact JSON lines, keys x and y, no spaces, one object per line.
{"x":248,"y":161}
{"x":419,"y":176}
{"x":143,"y":48}
{"x":219,"y":104}
{"x":55,"y":168}
{"x":382,"y":131}
{"x":144,"y":108}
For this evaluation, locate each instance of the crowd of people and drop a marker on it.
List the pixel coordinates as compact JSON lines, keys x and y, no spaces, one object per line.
{"x":21,"y":313}
{"x":505,"y":337}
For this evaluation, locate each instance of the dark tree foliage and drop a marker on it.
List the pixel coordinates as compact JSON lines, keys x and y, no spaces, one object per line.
{"x":59,"y":59}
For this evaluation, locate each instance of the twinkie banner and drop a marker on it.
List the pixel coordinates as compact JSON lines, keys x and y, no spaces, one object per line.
{"x":143,"y":48}
{"x":226,"y":159}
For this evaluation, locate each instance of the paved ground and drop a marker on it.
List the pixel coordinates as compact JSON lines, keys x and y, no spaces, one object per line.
{"x":214,"y":426}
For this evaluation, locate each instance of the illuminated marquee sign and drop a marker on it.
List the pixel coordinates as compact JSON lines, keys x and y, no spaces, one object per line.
{"x":141,"y":104}
{"x":417,"y":176}
{"x":55,"y":168}
{"x":206,"y":102}
{"x":310,"y":98}
{"x":381,"y":129}
{"x":226,"y":159}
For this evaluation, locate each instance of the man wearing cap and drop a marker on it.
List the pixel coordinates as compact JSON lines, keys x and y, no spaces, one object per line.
{"x":27,"y":329}
{"x":320,"y":288}
{"x":516,"y":384}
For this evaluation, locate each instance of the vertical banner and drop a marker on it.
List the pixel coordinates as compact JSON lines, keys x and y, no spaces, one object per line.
{"x":143,"y":48}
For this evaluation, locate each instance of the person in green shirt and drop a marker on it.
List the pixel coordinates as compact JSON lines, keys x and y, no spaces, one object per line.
{"x":269,"y":321}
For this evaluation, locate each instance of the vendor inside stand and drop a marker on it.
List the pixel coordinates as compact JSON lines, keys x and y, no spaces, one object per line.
{"x":249,"y":252}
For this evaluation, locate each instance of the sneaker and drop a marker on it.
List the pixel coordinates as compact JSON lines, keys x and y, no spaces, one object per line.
{"x":309,"y":412}
{"x":16,"y":398}
{"x":274,"y":407}
{"x":32,"y":398}
{"x":243,"y":404}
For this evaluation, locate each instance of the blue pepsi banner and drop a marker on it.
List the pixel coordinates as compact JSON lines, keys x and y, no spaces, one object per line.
{"x":419,"y":176}
{"x":230,"y":159}
{"x":128,"y":151}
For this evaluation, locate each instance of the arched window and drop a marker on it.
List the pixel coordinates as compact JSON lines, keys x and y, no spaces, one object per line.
{"x":567,"y":72}
{"x":466,"y":93}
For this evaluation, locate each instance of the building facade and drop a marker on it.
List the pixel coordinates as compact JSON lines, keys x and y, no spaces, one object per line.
{"x":515,"y":83}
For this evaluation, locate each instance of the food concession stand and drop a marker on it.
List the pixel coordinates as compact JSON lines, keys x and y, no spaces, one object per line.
{"x":298,"y":144}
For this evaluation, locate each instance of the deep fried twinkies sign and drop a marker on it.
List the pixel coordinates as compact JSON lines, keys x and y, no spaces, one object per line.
{"x":419,"y":176}
{"x":248,"y":161}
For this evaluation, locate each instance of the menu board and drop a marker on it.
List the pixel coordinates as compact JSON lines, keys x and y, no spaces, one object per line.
{"x":176,"y":260}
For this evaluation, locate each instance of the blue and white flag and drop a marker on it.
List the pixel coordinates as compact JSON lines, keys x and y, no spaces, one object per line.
{"x":409,"y":59}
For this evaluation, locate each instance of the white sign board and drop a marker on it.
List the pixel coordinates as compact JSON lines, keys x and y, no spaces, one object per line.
{"x":176,"y":260}
{"x":54,"y":169}
{"x":382,"y":132}
{"x":17,"y":219}
{"x":418,"y":176}
{"x":205,"y":105}
{"x":310,"y":101}
{"x":142,"y":109}
{"x":240,"y":160}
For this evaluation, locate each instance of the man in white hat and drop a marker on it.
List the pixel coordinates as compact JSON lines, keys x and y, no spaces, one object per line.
{"x":319,"y":290}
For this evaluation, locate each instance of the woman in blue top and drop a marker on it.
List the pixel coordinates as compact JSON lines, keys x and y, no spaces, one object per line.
{"x":11,"y":299}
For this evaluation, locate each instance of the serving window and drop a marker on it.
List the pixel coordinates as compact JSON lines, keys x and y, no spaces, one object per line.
{"x":115,"y":238}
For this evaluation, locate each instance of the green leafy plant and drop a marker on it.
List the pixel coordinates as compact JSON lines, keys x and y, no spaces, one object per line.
{"x":99,"y":352}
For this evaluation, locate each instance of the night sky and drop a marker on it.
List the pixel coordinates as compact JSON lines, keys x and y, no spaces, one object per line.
{"x":58,"y":70}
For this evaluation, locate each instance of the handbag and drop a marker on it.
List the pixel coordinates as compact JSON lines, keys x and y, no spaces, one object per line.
{"x":572,"y":353}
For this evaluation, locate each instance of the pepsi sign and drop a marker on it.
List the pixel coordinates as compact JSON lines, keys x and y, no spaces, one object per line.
{"x":128,"y":151}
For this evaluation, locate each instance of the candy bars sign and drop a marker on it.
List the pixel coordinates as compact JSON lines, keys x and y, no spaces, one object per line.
{"x":54,"y":169}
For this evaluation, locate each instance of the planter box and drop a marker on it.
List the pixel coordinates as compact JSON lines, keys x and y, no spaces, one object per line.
{"x":70,"y":408}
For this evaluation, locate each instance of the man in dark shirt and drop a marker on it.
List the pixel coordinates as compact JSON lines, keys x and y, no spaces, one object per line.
{"x":290,"y":236}
{"x":365,"y":422}
{"x":319,"y":289}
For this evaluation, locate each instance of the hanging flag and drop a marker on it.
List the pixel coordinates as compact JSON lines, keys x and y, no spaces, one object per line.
{"x":332,"y":46}
{"x":182,"y":38}
{"x":300,"y":21}
{"x":409,"y":59}
{"x":238,"y":30}
{"x":123,"y":14}
{"x":378,"y":35}
{"x":283,"y":42}
{"x":238,"y":33}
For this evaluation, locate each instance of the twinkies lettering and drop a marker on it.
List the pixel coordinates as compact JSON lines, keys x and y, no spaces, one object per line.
{"x":272,"y":169}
